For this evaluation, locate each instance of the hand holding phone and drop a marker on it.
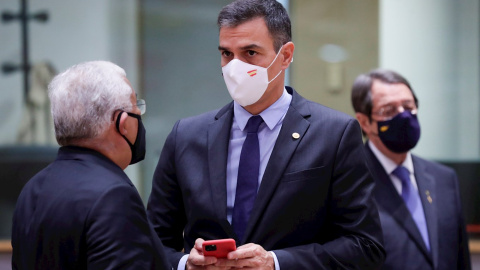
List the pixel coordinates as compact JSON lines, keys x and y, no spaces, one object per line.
{"x":218,"y":248}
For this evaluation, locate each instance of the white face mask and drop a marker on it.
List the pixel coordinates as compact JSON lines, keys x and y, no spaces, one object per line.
{"x":246,"y":83}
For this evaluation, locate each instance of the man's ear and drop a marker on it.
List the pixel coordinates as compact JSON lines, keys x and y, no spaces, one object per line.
{"x":122,"y":123}
{"x":364,"y":122}
{"x":288,"y":49}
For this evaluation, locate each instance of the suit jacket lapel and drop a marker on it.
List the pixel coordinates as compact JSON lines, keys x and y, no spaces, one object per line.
{"x":426,"y":188}
{"x":388,"y":198}
{"x":283,"y":150}
{"x":218,"y":140}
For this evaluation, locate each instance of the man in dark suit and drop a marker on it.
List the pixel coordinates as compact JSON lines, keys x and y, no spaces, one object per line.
{"x":82,"y":211}
{"x":418,"y":200}
{"x":305,"y":190}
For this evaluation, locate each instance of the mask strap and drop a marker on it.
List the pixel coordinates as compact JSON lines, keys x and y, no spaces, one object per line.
{"x":275,"y":58}
{"x":275,"y":77}
{"x":272,"y":64}
{"x":117,"y":125}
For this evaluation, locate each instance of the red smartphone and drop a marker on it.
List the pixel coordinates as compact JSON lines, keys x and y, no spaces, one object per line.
{"x":218,"y":248}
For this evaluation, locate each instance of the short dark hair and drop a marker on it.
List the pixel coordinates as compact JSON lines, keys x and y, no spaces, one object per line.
{"x":275,"y":16}
{"x":362,"y":88}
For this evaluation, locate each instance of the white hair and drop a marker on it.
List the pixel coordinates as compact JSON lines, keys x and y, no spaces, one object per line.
{"x":84,"y":98}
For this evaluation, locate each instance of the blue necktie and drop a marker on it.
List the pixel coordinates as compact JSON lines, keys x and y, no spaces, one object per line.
{"x":247,"y":180}
{"x":412,"y":199}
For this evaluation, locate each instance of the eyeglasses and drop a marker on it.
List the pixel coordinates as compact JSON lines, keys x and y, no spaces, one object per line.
{"x":389,"y":111}
{"x":142,"y":106}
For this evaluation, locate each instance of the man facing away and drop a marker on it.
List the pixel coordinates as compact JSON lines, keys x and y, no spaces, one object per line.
{"x":82,"y":211}
{"x":418,"y":200}
{"x":283,"y":176}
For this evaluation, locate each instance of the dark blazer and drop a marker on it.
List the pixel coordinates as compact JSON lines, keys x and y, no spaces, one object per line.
{"x":313,"y":209}
{"x":83,"y":212}
{"x":439,"y":193}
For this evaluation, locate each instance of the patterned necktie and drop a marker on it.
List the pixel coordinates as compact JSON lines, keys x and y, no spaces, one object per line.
{"x":412,"y":199}
{"x":247,"y":180}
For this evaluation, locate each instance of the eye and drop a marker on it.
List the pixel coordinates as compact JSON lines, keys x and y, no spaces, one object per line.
{"x":251,"y":53}
{"x":387,"y":111}
{"x":409,"y":106}
{"x":226,"y":53}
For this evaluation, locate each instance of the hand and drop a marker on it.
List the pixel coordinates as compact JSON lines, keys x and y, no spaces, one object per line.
{"x":249,"y":256}
{"x":196,"y":260}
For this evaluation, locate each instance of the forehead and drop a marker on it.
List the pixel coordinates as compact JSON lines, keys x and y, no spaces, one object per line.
{"x":385,"y":93}
{"x":253,"y":31}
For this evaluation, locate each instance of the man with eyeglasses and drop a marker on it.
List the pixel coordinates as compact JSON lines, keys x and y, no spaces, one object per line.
{"x":82,"y":211}
{"x":418,"y":200}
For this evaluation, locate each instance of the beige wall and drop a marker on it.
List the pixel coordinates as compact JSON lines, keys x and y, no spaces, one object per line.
{"x":350,"y":24}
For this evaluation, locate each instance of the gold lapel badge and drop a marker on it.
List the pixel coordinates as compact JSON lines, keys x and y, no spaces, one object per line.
{"x":295,"y":135}
{"x":429,"y":198}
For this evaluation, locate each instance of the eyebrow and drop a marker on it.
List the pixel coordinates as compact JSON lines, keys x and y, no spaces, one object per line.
{"x":401,"y":102}
{"x":244,"y":48}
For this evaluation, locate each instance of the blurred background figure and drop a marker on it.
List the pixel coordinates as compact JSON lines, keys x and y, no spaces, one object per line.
{"x":419,"y":200}
{"x":36,"y":124}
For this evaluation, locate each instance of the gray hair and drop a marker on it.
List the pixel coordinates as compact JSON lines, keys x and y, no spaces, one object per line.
{"x":275,"y":16}
{"x":84,"y":97}
{"x":362,"y":86}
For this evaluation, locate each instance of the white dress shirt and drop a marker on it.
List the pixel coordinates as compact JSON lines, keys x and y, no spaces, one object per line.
{"x":389,"y":166}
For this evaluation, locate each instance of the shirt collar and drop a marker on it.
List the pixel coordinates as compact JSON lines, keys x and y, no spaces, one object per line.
{"x":387,"y":163}
{"x":271,"y":116}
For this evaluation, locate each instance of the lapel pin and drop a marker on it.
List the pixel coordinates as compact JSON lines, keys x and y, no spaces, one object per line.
{"x":295,"y":135}
{"x":429,"y":198}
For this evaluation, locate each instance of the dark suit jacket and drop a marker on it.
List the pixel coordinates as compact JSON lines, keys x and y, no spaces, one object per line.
{"x":402,"y":240}
{"x":313,"y":209}
{"x":83,"y":212}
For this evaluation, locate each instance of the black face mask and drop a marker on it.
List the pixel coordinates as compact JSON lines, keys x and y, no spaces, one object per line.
{"x":138,"y":148}
{"x":401,"y":133}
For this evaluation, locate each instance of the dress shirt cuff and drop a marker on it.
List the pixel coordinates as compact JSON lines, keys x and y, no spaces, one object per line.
{"x":182,"y":263}
{"x":277,"y":266}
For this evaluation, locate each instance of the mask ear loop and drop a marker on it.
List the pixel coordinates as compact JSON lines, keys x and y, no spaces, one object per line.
{"x":117,"y":123}
{"x":275,"y":57}
{"x":275,"y":76}
{"x":272,"y":64}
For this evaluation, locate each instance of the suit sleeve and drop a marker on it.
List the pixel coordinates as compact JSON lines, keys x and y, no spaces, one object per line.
{"x":118,"y":235}
{"x":165,"y":206}
{"x":354,"y":238}
{"x":463,"y":261}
